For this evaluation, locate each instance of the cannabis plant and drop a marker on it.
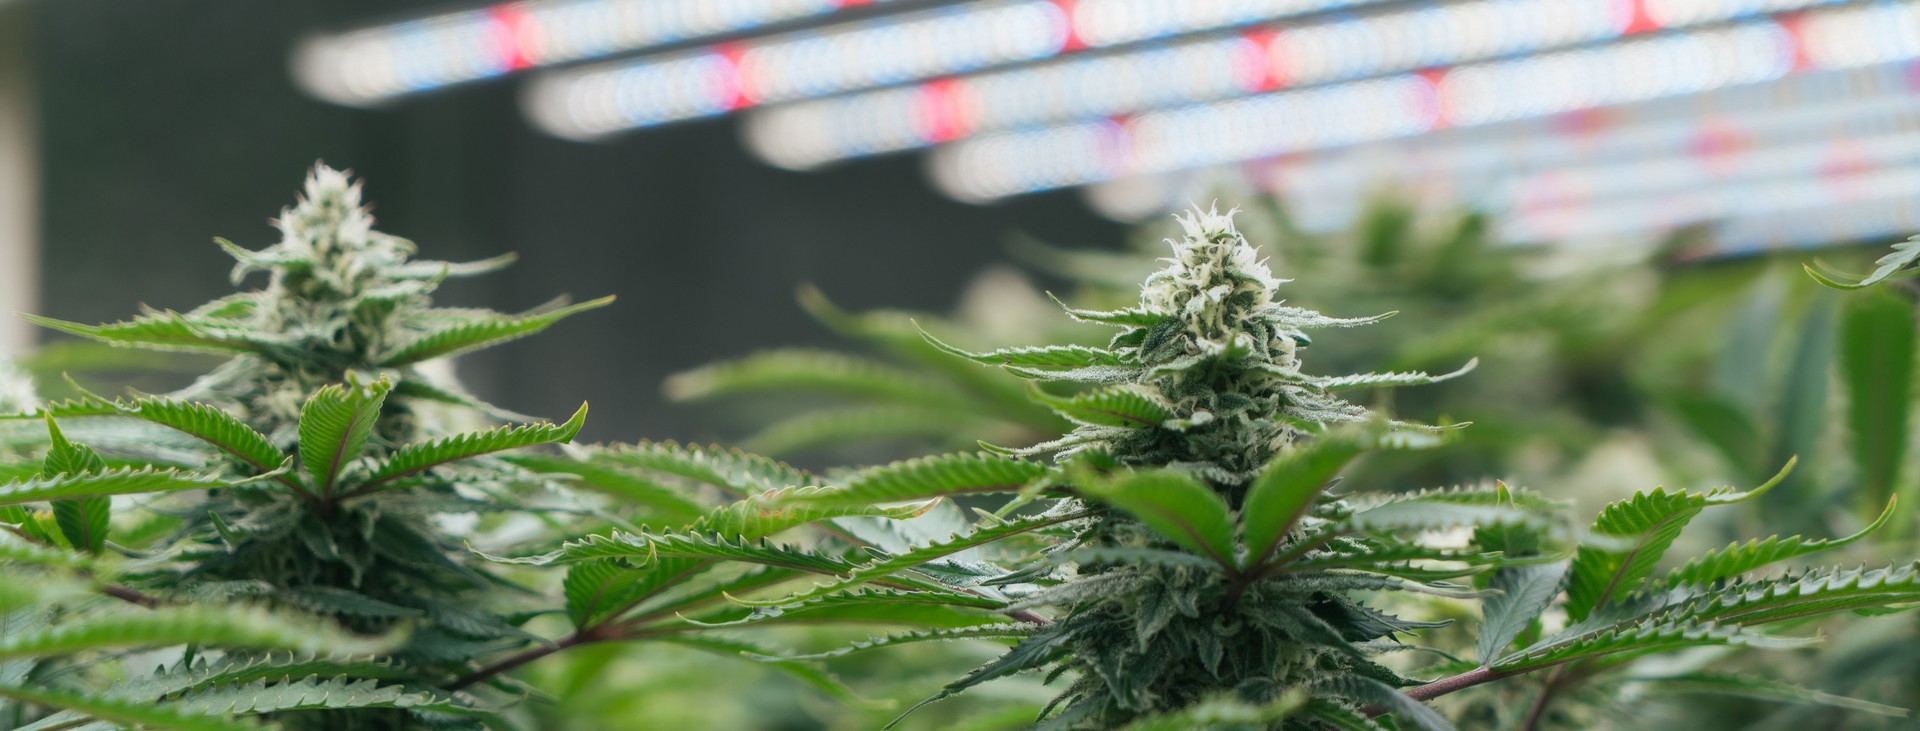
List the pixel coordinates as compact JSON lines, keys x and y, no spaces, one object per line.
{"x":1180,"y":559}
{"x":1550,"y":338}
{"x":306,"y":473}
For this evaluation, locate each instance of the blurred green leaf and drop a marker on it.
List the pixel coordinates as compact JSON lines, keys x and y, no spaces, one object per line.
{"x":1876,"y":362}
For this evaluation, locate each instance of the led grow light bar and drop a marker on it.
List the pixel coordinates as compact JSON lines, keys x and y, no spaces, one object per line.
{"x":594,"y":101}
{"x":1650,"y":67}
{"x":807,"y":134}
{"x":1838,"y":140}
{"x":370,"y":65}
{"x":1528,"y":163}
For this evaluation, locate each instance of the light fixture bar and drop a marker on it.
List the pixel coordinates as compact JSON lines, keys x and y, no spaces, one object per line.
{"x":807,"y":134}
{"x":1648,"y":67}
{"x":594,"y":101}
{"x":371,"y":65}
{"x":1810,"y":144}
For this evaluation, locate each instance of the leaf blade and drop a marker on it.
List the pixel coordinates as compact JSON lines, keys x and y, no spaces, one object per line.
{"x":1177,"y":507}
{"x":335,"y":423}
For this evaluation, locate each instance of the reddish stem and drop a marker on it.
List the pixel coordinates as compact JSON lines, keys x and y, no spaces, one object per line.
{"x":129,"y":595}
{"x":529,"y":655}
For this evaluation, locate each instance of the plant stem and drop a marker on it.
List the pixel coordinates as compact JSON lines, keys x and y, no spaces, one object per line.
{"x":1028,"y":616}
{"x":129,"y":595}
{"x":1538,"y":710}
{"x":529,"y":655}
{"x":1459,"y":682}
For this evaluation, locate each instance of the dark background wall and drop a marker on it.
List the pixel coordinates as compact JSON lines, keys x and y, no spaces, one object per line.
{"x":167,"y":122}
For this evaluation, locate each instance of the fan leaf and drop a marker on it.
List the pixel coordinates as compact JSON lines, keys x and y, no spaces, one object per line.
{"x":120,"y":481}
{"x":1129,"y":406}
{"x":335,"y":423}
{"x":929,"y":477}
{"x":481,"y":332}
{"x":421,"y":456}
{"x":1175,"y":506}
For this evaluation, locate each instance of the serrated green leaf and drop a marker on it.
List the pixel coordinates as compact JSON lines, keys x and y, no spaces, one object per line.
{"x":1904,"y":254}
{"x":1647,"y":524}
{"x":207,"y":423}
{"x":212,"y":670}
{"x":66,"y":458}
{"x":1175,"y":506}
{"x":1524,"y":594}
{"x":31,"y":524}
{"x":1738,"y":558}
{"x":1813,"y":593}
{"x":647,"y":601}
{"x":1764,"y":689}
{"x":304,"y":694}
{"x":226,"y":626}
{"x":731,"y":470}
{"x":335,"y":423}
{"x":474,"y":334}
{"x":1129,"y":406}
{"x":644,"y":548}
{"x":1391,"y":380}
{"x":1287,"y":488}
{"x":1296,"y":317}
{"x":82,"y":521}
{"x":161,"y":331}
{"x":121,"y":481}
{"x":779,"y":510}
{"x":421,"y":456}
{"x":595,"y":588}
{"x":1043,"y":358}
{"x":1801,"y":417}
{"x":1580,"y":643}
{"x":129,"y":714}
{"x":1876,"y":364}
{"x":931,"y":609}
{"x":810,"y":370}
{"x":444,"y":269}
{"x":986,"y":631}
{"x":16,"y":550}
{"x":1406,"y":712}
{"x":236,"y":306}
{"x":1641,"y":529}
{"x":887,"y":570}
{"x":1441,"y":511}
{"x":1636,"y":532}
{"x":930,"y":477}
{"x":665,"y":506}
{"x":1340,"y":717}
{"x":1375,"y":554}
